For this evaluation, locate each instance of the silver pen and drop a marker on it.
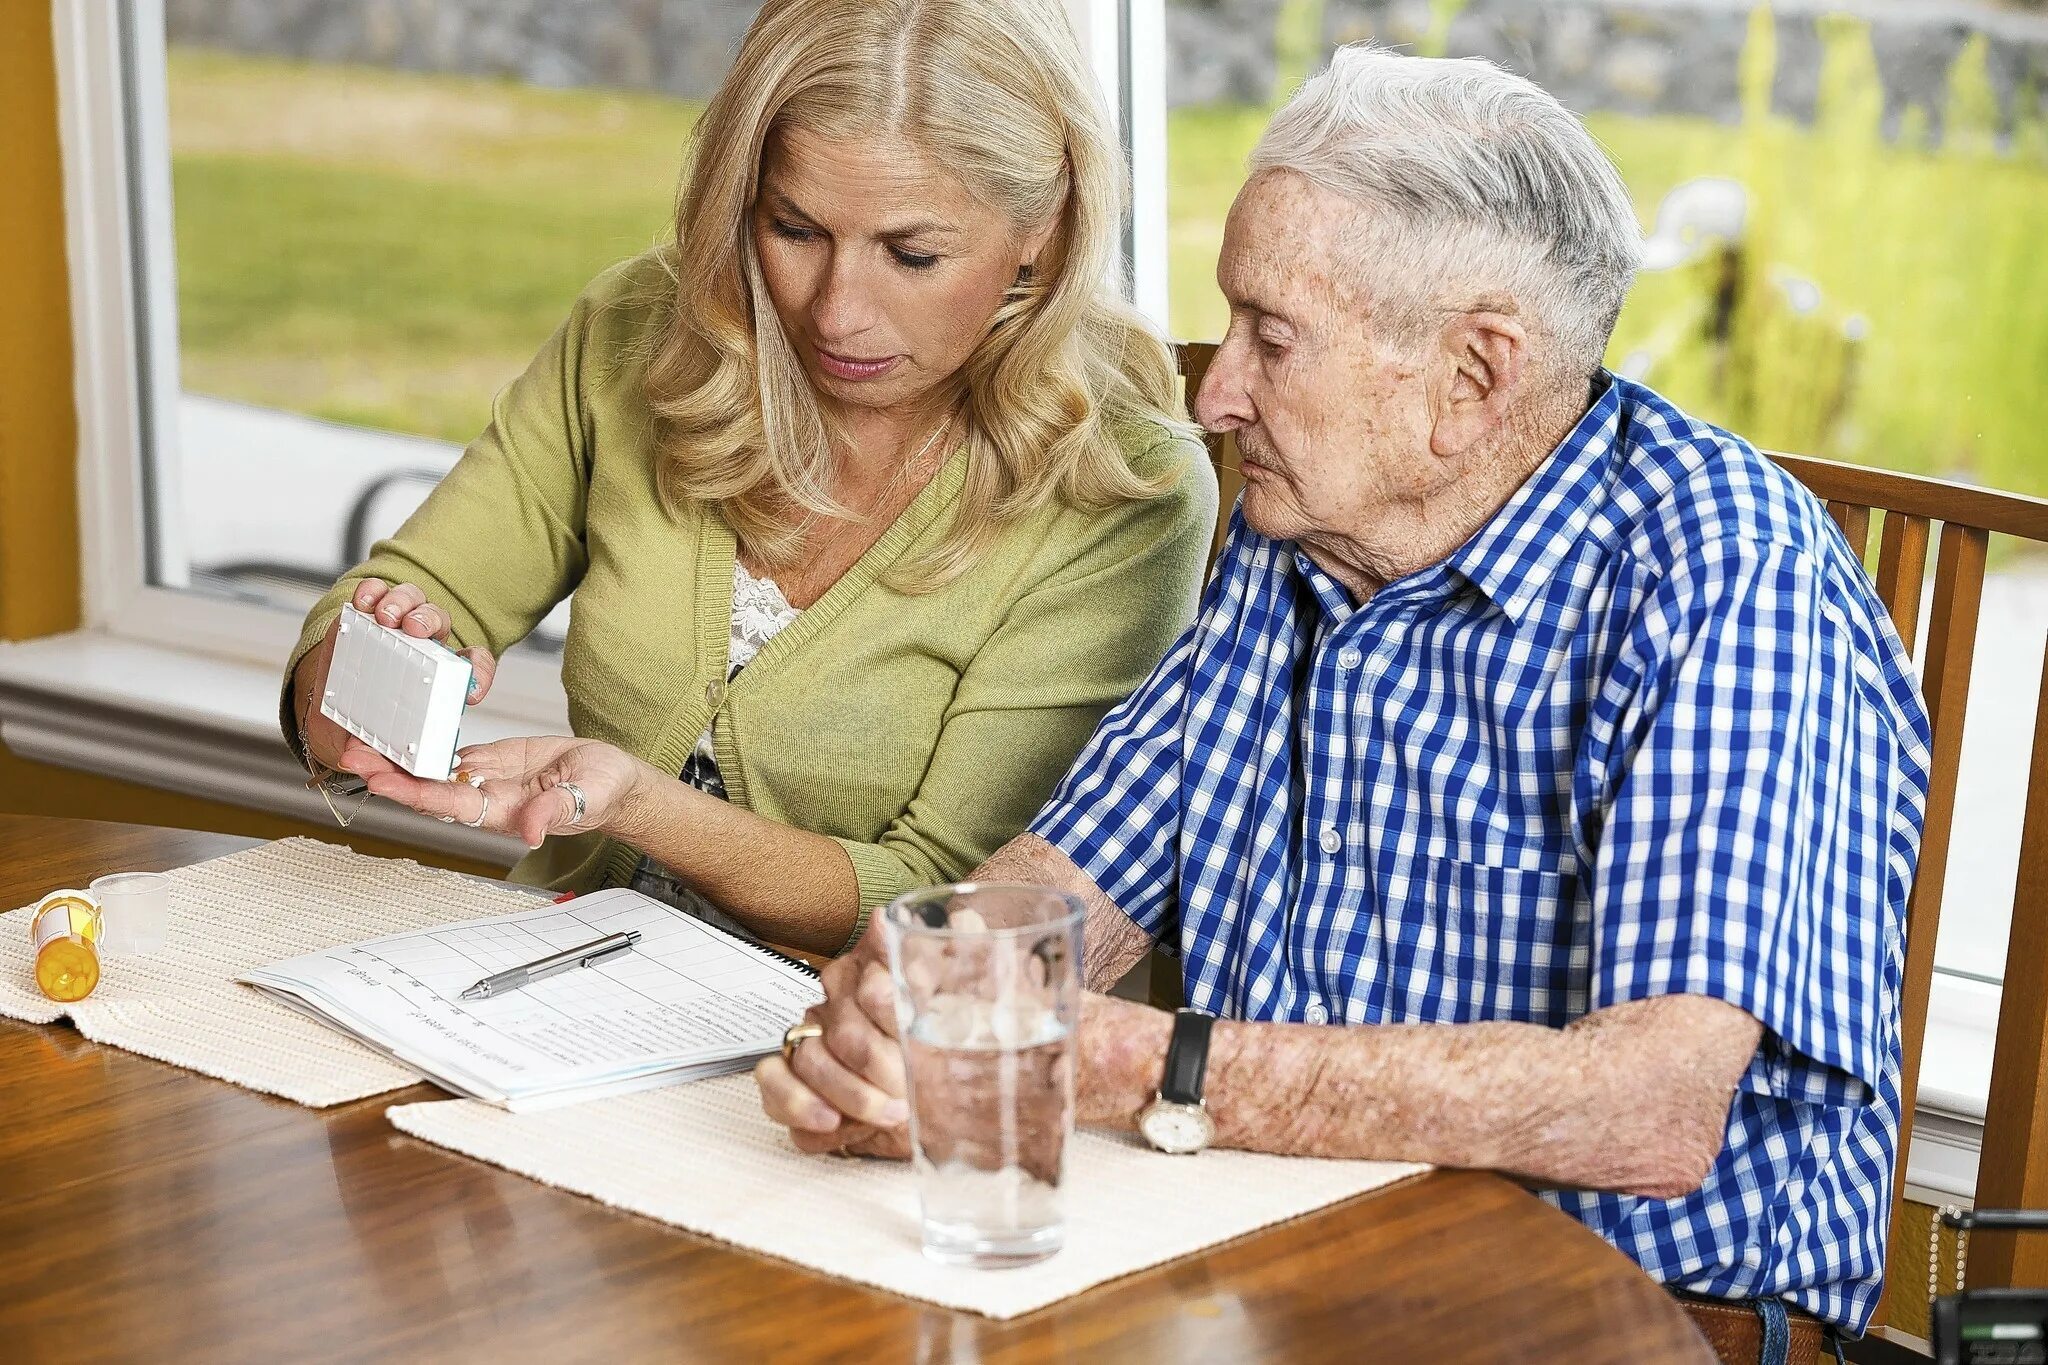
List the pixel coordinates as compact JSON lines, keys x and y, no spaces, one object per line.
{"x":587,"y":955}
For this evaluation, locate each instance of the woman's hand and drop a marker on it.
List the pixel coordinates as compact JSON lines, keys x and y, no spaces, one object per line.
{"x":518,"y":785}
{"x":404,"y":608}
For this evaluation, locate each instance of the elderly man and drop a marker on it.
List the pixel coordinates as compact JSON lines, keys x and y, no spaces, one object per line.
{"x":1540,"y":786}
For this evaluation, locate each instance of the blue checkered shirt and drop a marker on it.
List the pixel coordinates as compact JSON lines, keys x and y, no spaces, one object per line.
{"x":1648,"y":732}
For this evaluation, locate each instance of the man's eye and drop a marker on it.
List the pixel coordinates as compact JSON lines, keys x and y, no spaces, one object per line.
{"x":791,"y":231}
{"x":911,"y":260}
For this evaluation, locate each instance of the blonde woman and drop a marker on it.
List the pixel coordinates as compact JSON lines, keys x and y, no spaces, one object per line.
{"x":869,"y":495}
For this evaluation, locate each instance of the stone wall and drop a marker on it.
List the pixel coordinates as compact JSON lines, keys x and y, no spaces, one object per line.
{"x":1683,"y":56}
{"x":682,"y":47}
{"x":1220,"y":50}
{"x":1630,"y":56}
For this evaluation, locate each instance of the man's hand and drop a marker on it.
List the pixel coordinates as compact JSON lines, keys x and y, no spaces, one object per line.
{"x":844,"y":1091}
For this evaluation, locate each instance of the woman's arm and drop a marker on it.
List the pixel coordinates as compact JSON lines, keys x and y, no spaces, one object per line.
{"x":787,"y":885}
{"x":499,"y":541}
{"x":1067,"y":651}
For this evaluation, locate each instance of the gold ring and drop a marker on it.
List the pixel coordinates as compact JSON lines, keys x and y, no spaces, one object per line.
{"x":794,"y":1038}
{"x":473,"y":779}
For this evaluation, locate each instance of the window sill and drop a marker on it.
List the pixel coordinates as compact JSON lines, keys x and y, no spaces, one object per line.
{"x":204,"y":726}
{"x":1955,"y":1083}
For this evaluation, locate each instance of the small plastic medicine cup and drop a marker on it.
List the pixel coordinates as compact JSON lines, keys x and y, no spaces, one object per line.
{"x":136,"y":909}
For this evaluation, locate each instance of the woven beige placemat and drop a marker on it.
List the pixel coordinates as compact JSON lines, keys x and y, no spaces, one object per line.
{"x":704,"y":1157}
{"x":182,"y":1005}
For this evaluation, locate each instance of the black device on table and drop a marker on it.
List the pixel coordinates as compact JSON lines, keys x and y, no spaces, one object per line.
{"x":1992,"y":1326}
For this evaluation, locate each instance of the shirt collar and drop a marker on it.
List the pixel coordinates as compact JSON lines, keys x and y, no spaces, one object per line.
{"x":1332,"y":597}
{"x":1512,"y":558}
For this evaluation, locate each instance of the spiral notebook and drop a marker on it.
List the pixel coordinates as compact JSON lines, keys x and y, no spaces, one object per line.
{"x":688,"y":1001}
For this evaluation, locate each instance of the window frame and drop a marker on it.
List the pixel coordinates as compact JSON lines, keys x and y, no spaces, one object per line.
{"x":114,"y":123}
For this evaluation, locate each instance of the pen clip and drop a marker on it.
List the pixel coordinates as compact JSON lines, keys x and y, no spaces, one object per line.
{"x":608,"y":953}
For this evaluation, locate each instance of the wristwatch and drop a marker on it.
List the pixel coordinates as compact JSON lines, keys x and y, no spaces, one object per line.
{"x":1176,"y":1120}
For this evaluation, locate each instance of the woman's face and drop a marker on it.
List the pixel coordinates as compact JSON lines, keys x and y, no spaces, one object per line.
{"x":884,"y":271}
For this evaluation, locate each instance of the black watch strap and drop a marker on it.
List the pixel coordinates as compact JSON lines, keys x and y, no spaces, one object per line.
{"x":1187,"y":1057}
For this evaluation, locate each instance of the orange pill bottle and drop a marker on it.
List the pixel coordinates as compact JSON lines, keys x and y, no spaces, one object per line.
{"x":66,"y":935}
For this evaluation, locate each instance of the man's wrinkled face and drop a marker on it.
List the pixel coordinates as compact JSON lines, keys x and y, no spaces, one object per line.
{"x":1331,"y":418}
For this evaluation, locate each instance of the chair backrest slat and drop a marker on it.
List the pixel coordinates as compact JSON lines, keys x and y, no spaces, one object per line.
{"x":1945,"y":681}
{"x":2012,"y":1173}
{"x":1901,"y":572}
{"x":1855,"y":524}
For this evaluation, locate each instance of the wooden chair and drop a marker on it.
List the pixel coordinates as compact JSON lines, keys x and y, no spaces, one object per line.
{"x":1907,"y":510}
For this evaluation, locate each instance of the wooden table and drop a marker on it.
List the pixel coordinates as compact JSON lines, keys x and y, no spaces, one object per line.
{"x":147,"y":1213}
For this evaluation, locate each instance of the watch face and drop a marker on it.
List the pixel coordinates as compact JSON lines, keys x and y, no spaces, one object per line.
{"x":1176,"y":1127}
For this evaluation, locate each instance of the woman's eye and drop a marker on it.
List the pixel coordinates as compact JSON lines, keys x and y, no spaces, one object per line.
{"x":911,"y":260}
{"x":791,"y":231}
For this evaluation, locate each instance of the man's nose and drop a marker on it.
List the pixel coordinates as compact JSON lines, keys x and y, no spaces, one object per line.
{"x":1223,"y":403}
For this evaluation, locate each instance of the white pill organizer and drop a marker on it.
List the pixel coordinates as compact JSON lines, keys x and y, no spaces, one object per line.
{"x":401,"y":695}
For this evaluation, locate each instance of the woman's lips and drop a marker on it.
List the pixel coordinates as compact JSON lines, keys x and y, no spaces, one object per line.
{"x":853,"y":368}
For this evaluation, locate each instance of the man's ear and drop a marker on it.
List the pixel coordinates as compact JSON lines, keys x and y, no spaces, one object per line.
{"x":1486,"y":358}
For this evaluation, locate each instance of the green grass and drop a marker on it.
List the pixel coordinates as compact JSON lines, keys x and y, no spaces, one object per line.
{"x":389,"y":248}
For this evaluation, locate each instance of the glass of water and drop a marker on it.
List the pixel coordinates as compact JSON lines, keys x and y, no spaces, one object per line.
{"x":988,"y":989}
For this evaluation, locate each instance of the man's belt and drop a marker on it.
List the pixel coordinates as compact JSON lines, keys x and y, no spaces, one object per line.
{"x":1737,"y":1334}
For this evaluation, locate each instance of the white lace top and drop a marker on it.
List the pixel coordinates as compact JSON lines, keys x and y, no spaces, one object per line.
{"x":759,"y":613}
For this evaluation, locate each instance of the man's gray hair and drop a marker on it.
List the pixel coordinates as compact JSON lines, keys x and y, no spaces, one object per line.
{"x":1486,"y":192}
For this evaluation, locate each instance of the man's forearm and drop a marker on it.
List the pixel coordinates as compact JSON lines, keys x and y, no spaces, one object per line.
{"x":1633,"y":1098}
{"x":1113,"y":943}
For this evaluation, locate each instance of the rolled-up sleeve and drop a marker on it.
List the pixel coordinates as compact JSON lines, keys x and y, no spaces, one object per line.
{"x":1117,"y":812}
{"x":1751,"y":790}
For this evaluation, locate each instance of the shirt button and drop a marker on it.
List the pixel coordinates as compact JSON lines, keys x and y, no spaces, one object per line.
{"x":1332,"y":840}
{"x":713,"y":693}
{"x":1317,"y":1012}
{"x":1349,"y":658}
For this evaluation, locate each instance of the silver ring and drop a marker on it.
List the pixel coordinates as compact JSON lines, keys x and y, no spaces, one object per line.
{"x":481,"y":815}
{"x":576,"y":795}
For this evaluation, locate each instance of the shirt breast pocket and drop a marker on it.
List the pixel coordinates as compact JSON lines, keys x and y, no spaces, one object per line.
{"x":1471,"y":941}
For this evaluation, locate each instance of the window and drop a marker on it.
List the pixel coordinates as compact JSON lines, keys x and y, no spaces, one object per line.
{"x":1844,"y":215}
{"x":309,"y":241}
{"x":357,"y":224}
{"x":375,"y":217}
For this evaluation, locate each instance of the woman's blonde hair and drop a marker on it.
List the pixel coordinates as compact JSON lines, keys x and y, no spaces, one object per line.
{"x":996,"y":91}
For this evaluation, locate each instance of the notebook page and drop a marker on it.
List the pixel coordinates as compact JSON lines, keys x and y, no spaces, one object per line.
{"x":685,"y":994}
